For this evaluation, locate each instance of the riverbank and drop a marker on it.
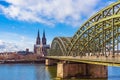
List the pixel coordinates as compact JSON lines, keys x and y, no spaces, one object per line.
{"x":21,"y":61}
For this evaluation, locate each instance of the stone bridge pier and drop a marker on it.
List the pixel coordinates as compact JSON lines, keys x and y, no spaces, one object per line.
{"x":67,"y":69}
{"x":50,"y":62}
{"x":81,"y":70}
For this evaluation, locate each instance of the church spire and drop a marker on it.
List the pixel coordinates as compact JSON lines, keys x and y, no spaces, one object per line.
{"x":44,"y":34}
{"x":38,"y":39}
{"x":44,"y":38}
{"x":38,"y":34}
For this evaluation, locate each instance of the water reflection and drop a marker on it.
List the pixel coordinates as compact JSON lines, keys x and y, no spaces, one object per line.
{"x":52,"y":71}
{"x":41,"y":72}
{"x":23,"y":72}
{"x":16,"y":72}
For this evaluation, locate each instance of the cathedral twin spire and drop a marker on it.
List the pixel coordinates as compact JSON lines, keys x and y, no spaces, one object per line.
{"x":44,"y":38}
{"x":38,"y":40}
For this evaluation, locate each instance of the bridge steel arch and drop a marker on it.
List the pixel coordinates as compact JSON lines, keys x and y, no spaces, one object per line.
{"x":58,"y":46}
{"x":100,"y":31}
{"x":99,"y":34}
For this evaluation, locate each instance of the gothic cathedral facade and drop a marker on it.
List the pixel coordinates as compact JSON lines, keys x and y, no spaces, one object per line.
{"x":40,"y":48}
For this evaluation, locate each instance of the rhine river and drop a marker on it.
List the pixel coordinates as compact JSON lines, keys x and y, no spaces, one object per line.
{"x":41,"y":72}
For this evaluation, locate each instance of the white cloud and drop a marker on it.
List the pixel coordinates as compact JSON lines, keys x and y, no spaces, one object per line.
{"x":8,"y":47}
{"x":49,"y":11}
{"x":14,"y":41}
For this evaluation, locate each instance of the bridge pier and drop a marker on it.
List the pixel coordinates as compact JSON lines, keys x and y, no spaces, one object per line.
{"x":81,"y":70}
{"x":50,"y":62}
{"x":97,"y":71}
{"x":65,"y":70}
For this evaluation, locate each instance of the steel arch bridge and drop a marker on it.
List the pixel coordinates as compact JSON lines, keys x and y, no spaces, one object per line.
{"x":99,"y":35}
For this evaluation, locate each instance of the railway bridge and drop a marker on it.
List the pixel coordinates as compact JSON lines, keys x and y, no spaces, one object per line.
{"x":93,"y":47}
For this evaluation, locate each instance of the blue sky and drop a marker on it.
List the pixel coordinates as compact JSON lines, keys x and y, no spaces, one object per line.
{"x":21,"y":19}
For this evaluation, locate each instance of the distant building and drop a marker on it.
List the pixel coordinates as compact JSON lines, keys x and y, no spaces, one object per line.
{"x":27,"y":52}
{"x":41,"y":48}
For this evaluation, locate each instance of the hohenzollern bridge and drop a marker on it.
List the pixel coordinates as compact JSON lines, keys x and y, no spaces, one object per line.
{"x":96,"y":42}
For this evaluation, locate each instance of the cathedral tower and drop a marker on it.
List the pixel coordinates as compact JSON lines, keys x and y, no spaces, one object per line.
{"x":37,"y":46}
{"x":38,"y":39}
{"x":44,"y":38}
{"x":41,"y":48}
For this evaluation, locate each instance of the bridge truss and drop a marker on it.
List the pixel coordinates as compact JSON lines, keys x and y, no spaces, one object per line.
{"x":100,"y":34}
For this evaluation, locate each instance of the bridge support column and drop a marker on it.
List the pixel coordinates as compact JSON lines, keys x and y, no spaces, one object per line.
{"x":97,"y":71}
{"x":49,"y":62}
{"x":80,"y":70}
{"x":65,"y":70}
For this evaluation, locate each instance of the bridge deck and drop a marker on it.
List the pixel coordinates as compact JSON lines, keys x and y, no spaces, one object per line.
{"x":102,"y":60}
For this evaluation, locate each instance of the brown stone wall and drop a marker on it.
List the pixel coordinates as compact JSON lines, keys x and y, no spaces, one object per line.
{"x":97,"y":71}
{"x":74,"y":69}
{"x":65,"y":70}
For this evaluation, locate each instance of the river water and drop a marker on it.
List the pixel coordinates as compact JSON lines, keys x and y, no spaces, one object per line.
{"x":41,"y":72}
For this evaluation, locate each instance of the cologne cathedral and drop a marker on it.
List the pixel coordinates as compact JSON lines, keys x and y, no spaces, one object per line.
{"x":40,"y":48}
